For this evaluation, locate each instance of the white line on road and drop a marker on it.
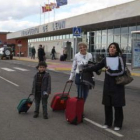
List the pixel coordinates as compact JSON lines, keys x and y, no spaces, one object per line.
{"x":7,"y":69}
{"x":9,"y":81}
{"x":98,"y":125}
{"x":20,"y":69}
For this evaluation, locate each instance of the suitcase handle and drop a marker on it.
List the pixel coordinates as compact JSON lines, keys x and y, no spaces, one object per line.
{"x":66,"y":86}
{"x":80,"y":95}
{"x":30,"y":96}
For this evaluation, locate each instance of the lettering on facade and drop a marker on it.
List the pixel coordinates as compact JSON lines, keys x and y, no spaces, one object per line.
{"x":58,"y":25}
{"x":45,"y":28}
{"x":30,"y":32}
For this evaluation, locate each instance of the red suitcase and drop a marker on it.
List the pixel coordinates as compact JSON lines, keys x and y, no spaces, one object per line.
{"x":59,"y":100}
{"x":74,"y":110}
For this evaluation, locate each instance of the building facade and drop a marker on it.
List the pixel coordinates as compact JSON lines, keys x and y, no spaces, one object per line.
{"x":99,"y":29}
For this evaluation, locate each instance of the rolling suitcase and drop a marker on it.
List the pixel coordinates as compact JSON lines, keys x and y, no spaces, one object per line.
{"x":25,"y":104}
{"x":62,"y":58}
{"x":75,"y":107}
{"x":59,"y":100}
{"x":74,"y":110}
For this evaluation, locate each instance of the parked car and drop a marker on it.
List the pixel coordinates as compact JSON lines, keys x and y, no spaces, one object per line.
{"x":6,"y":52}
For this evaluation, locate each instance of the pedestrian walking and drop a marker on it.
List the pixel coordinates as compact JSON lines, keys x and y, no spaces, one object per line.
{"x":53,"y":52}
{"x":41,"y":89}
{"x":33,"y":53}
{"x":41,"y":53}
{"x":113,"y":94}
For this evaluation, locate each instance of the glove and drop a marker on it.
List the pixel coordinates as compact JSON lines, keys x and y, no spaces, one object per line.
{"x":45,"y":94}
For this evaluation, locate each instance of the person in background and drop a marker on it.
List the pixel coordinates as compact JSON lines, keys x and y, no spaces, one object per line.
{"x":80,"y":59}
{"x":41,"y":53}
{"x":53,"y":52}
{"x":33,"y":53}
{"x":113,"y":94}
{"x":41,"y":89}
{"x":65,"y":54}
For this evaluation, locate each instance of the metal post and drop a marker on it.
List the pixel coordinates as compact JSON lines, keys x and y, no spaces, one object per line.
{"x":76,"y":45}
{"x":19,"y":51}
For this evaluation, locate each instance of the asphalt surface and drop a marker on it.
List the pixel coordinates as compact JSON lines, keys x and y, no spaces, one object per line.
{"x":17,"y":84}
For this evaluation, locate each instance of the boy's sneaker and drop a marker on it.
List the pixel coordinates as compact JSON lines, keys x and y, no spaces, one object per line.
{"x":45,"y":117}
{"x":117,"y":128}
{"x":35,"y":116}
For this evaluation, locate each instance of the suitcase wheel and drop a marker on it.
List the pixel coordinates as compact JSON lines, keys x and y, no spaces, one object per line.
{"x":19,"y":112}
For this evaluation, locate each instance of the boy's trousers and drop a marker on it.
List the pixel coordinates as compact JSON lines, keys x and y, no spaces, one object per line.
{"x":44,"y":99}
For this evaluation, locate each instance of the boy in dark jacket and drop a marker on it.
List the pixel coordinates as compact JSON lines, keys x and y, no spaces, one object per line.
{"x":41,"y":89}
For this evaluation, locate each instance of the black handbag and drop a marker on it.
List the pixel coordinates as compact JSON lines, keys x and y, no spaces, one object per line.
{"x":124,"y":79}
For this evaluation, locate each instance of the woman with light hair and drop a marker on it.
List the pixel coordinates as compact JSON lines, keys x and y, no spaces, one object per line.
{"x":81,"y":58}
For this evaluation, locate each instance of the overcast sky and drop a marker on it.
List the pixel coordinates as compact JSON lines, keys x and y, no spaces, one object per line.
{"x":21,"y":14}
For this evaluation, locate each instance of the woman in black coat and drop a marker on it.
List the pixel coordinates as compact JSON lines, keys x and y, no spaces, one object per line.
{"x":113,"y":94}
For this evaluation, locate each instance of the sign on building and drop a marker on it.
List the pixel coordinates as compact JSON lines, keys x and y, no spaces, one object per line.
{"x":76,"y":31}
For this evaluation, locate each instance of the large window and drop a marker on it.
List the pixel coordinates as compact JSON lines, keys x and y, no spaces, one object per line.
{"x":117,"y":31}
{"x":124,"y":30}
{"x":124,"y":39}
{"x":132,"y":28}
{"x":117,"y":38}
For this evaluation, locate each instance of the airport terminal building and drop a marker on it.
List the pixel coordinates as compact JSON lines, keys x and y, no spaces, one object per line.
{"x":99,"y":29}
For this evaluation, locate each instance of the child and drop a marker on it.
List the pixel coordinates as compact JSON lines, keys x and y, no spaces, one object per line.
{"x":41,"y":89}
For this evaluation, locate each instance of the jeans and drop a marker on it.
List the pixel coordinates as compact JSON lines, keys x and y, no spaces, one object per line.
{"x":82,"y":91}
{"x":44,"y":104}
{"x":53,"y":56}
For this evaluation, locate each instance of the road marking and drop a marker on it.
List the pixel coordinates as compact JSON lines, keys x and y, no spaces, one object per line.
{"x":20,"y":69}
{"x":9,"y":81}
{"x":7,"y":69}
{"x":98,"y":125}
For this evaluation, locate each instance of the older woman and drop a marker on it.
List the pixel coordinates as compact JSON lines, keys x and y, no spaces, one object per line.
{"x":80,"y":59}
{"x":113,"y":94}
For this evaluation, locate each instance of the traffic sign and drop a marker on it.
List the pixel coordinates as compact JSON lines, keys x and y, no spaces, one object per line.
{"x":76,"y":31}
{"x":19,"y":45}
{"x":19,"y":41}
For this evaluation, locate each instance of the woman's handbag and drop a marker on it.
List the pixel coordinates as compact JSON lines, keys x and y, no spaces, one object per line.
{"x":124,"y":79}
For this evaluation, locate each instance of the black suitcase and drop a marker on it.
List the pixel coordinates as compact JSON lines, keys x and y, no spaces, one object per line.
{"x":25,"y":104}
{"x":62,"y":58}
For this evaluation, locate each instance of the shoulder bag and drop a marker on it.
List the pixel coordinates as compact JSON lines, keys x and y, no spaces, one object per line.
{"x":124,"y":79}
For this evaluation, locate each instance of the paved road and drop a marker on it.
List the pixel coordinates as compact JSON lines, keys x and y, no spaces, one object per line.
{"x":16,"y":81}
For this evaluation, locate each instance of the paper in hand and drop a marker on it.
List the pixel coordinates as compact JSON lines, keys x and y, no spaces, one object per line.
{"x":112,"y":62}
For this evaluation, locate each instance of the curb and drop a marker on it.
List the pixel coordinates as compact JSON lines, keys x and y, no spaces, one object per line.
{"x":65,"y":69}
{"x":135,"y":74}
{"x":20,"y":59}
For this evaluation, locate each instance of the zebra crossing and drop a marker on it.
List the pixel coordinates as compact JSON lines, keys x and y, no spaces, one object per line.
{"x":14,"y":69}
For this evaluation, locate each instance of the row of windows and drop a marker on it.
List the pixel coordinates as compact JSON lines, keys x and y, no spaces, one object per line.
{"x":102,"y":38}
{"x":67,"y":36}
{"x":117,"y":31}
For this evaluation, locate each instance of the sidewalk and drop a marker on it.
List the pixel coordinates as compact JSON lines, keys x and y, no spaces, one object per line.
{"x":65,"y":65}
{"x":52,"y":64}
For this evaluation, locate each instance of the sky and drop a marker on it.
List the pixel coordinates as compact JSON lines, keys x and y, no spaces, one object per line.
{"x":22,"y":14}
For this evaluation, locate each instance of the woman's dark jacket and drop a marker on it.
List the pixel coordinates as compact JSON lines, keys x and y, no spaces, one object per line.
{"x":46,"y":84}
{"x":113,"y":94}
